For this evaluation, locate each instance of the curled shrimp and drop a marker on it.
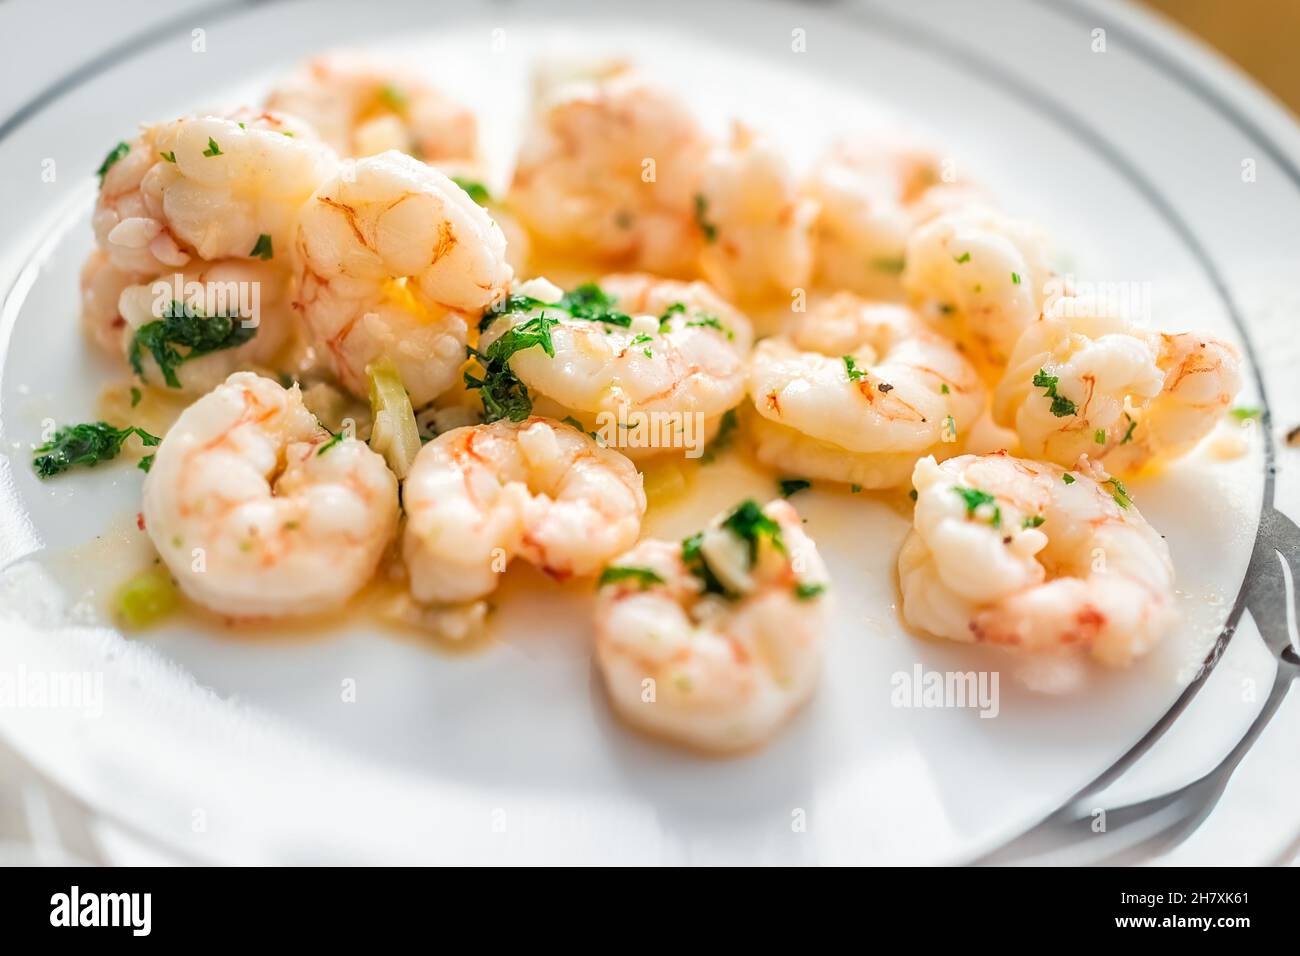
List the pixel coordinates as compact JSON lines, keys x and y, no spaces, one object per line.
{"x":361,"y":107}
{"x":669,"y":347}
{"x":872,"y":192}
{"x":1084,"y":381}
{"x":250,"y":297}
{"x":756,"y":222}
{"x":258,"y":511}
{"x":480,"y":496}
{"x":391,"y":255}
{"x":1029,"y":555}
{"x":609,"y":170}
{"x":714,"y":642}
{"x":858,"y":392}
{"x":101,"y":287}
{"x":982,"y":274}
{"x":211,"y":187}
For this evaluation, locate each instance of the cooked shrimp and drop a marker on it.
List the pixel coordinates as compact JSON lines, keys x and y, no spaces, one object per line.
{"x":250,"y":298}
{"x":609,"y":170}
{"x":668,"y":347}
{"x":858,"y":392}
{"x":1083,"y":381}
{"x":101,"y":287}
{"x":258,"y":512}
{"x":480,"y":496}
{"x":1029,"y":555}
{"x":391,"y":254}
{"x":716,"y":641}
{"x":872,"y":193}
{"x":756,"y":224}
{"x":215,"y":187}
{"x":984,"y":274}
{"x":361,"y":107}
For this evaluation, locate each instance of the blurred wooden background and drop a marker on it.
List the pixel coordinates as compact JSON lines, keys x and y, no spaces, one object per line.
{"x":1260,"y":36}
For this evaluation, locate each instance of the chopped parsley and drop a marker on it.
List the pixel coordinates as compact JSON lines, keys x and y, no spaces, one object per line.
{"x":805,"y":591}
{"x":851,"y":366}
{"x":693,"y":558}
{"x":334,"y":440}
{"x":722,"y":440}
{"x":1246,"y":414}
{"x":589,"y":301}
{"x":975,"y":498}
{"x":476,"y":190}
{"x":262,"y":248}
{"x":86,"y":445}
{"x":1015,"y":278}
{"x":750,"y":524}
{"x":1099,"y":436}
{"x":1033,"y":521}
{"x":187,"y":327}
{"x":677,"y":308}
{"x":136,"y":395}
{"x":170,"y":157}
{"x":508,"y":305}
{"x":1068,"y":478}
{"x":944,"y":389}
{"x":1128,"y":432}
{"x":855,"y":489}
{"x":788,"y":486}
{"x":645,"y":577}
{"x":1061,"y":406}
{"x":1119,"y":493}
{"x":710,"y":322}
{"x":503,"y":395}
{"x":701,"y":212}
{"x":213,"y":149}
{"x":962,"y":259}
{"x":393,"y":98}
{"x":114,"y":154}
{"x":747,"y":522}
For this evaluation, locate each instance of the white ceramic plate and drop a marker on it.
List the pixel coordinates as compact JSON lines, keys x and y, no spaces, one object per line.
{"x":245,"y":750}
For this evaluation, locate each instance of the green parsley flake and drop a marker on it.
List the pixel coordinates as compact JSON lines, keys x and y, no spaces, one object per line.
{"x":476,"y":190}
{"x":789,"y":486}
{"x":262,"y":248}
{"x":1120,"y":493}
{"x":645,"y":577}
{"x":503,"y":395}
{"x":86,"y":445}
{"x":185,"y":326}
{"x":1128,"y":432}
{"x":806,"y":591}
{"x":213,"y":149}
{"x":1061,"y":406}
{"x":114,"y":154}
{"x":975,"y":498}
{"x":722,"y":440}
{"x":701,"y":212}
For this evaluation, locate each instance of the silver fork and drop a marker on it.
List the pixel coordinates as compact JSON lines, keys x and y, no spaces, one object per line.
{"x":1141,"y":830}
